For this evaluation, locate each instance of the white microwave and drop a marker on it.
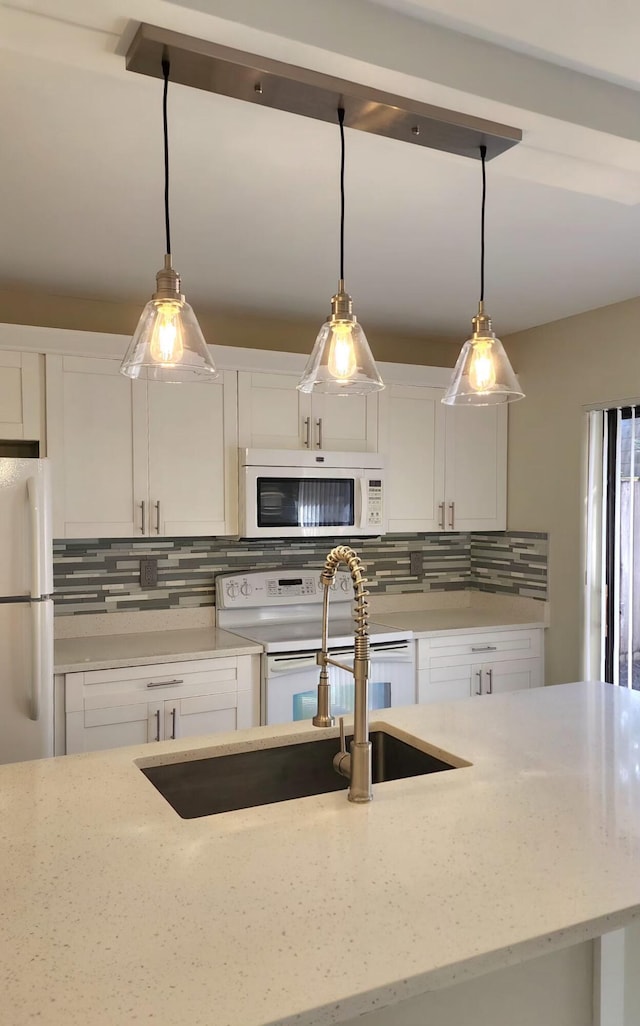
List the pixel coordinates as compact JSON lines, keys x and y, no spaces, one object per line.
{"x":286,"y":493}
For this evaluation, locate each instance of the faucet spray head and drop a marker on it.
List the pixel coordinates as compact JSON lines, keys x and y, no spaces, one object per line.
{"x":323,"y":717}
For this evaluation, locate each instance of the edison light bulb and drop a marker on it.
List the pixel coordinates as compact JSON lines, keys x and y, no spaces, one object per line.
{"x":482,"y":372}
{"x":166,"y":344}
{"x":342,"y":363}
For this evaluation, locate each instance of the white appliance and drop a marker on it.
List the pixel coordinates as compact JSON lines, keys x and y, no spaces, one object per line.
{"x":292,"y":494}
{"x":282,"y":611}
{"x":26,"y":610}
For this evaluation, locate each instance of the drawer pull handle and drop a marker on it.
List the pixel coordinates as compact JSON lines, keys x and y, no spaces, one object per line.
{"x":164,"y":683}
{"x":173,"y":723}
{"x":479,"y":676}
{"x":484,"y":648}
{"x":490,"y":676}
{"x":157,"y":725}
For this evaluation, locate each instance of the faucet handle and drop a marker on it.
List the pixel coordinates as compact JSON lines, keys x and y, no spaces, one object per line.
{"x":342,"y":760}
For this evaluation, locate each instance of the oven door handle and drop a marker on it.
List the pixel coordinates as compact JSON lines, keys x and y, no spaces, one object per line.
{"x":402,"y":650}
{"x":283,"y":664}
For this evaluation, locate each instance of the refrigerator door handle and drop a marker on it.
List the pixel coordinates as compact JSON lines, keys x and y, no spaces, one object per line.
{"x":41,"y":655}
{"x":38,"y":537}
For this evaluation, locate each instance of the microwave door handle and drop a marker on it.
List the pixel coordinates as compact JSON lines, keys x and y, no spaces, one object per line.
{"x":362,"y":512}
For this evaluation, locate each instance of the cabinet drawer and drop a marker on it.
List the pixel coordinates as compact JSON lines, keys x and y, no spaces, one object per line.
{"x":158,"y":671}
{"x":99,"y":689}
{"x":460,"y":649}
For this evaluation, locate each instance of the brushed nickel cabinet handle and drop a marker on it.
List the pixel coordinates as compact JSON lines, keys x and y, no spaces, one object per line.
{"x":173,"y":723}
{"x":319,"y":427}
{"x":441,"y":523}
{"x":484,"y":648}
{"x":479,"y":676}
{"x":143,"y":508}
{"x":164,"y":683}
{"x":307,"y":432}
{"x":158,"y":725}
{"x":490,"y":676}
{"x":158,"y":517}
{"x":452,"y":515}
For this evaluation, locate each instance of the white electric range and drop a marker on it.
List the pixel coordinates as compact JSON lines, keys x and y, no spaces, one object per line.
{"x":282,"y":611}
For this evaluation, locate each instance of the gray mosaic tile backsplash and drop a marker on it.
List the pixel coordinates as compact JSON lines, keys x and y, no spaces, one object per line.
{"x":103,"y":575}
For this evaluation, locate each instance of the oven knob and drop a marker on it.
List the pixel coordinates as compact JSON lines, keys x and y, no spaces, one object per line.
{"x":333,"y":585}
{"x":232,"y":590}
{"x":344,"y":584}
{"x":245,"y":588}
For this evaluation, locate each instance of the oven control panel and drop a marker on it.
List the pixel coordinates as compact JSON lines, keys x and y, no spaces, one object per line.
{"x":277,"y":588}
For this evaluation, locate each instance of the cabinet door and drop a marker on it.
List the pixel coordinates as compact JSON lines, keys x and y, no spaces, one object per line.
{"x":272,"y":413}
{"x":204,"y":714}
{"x":476,"y":468}
{"x":95,"y":730}
{"x":20,"y":397}
{"x":193,"y":457}
{"x":412,"y":443}
{"x":345,"y":424}
{"x":511,"y":675}
{"x":446,"y":684}
{"x":96,"y":420}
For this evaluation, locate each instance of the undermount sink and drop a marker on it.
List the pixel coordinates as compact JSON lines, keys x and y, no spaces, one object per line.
{"x":204,"y":787}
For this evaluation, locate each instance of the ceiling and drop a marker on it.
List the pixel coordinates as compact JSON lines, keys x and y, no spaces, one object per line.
{"x":254,"y":192}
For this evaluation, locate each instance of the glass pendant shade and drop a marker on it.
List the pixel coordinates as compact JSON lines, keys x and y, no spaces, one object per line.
{"x":341,"y":362}
{"x":168,"y":344}
{"x":483,"y":375}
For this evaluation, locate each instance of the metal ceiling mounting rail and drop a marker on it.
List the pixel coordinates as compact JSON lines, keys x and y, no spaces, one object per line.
{"x":246,"y":76}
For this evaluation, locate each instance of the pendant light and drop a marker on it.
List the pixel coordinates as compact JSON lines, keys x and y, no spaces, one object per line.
{"x":168,"y":344}
{"x":341,"y":362}
{"x":483,"y":375}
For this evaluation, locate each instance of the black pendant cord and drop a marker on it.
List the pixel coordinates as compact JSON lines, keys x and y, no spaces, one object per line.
{"x":165,"y":72}
{"x":483,"y":154}
{"x":341,"y":123}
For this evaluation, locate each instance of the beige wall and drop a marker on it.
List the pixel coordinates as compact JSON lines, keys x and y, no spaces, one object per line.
{"x":225,"y":328}
{"x":563,"y":367}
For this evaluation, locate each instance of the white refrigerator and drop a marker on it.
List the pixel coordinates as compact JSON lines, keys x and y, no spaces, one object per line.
{"x":26,"y":610}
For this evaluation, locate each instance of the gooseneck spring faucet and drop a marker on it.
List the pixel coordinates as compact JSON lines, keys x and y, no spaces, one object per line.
{"x":356,"y":764}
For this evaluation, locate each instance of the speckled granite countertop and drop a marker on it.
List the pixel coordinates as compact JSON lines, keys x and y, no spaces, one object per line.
{"x":114,"y":650}
{"x":115,"y":909}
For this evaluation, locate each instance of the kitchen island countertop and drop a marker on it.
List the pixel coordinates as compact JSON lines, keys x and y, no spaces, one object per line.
{"x":316,"y":911}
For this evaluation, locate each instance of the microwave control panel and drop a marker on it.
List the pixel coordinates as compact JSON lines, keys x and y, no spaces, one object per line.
{"x":374,"y":502}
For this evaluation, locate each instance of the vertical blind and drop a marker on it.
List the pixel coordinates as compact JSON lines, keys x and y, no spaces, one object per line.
{"x":622,"y":444}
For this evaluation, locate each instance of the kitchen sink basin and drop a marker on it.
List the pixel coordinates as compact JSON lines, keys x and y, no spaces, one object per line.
{"x":204,"y":787}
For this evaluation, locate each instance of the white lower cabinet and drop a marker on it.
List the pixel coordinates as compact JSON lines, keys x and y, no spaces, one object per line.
{"x":452,"y":666}
{"x":137,"y":704}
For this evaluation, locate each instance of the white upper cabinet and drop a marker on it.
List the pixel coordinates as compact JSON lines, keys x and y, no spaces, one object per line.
{"x":136,"y":459}
{"x":412,"y":443}
{"x":21,"y":397}
{"x":96,"y":430}
{"x":475,"y":487}
{"x":193,"y":457}
{"x":446,"y":466}
{"x":273,"y":414}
